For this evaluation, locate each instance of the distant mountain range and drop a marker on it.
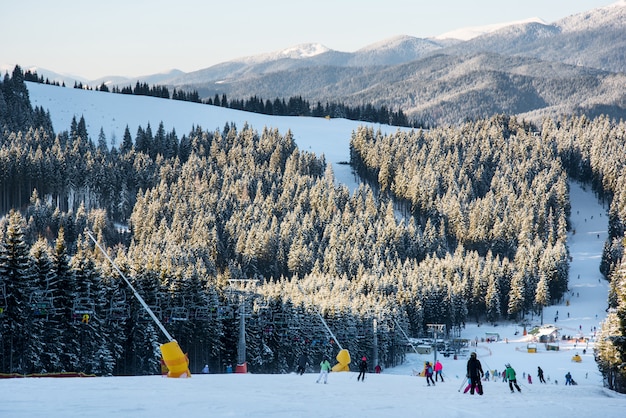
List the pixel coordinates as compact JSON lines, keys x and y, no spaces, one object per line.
{"x":530,"y":68}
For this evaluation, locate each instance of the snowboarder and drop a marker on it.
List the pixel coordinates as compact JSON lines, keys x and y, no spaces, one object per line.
{"x":540,"y":375}
{"x":362,"y":369}
{"x":302,"y":362}
{"x":475,"y":373}
{"x":438,"y":371}
{"x":428,"y":372}
{"x":510,"y":376}
{"x":324,"y":369}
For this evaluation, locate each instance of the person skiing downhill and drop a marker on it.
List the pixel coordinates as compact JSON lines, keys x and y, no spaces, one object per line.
{"x":362,"y":369}
{"x":540,"y":375}
{"x":428,"y":372}
{"x":438,"y":371}
{"x":475,"y":373}
{"x":302,"y":362}
{"x":324,"y":369}
{"x":510,"y":376}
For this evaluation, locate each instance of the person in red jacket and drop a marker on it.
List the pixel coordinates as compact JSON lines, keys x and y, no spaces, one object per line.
{"x":438,"y":371}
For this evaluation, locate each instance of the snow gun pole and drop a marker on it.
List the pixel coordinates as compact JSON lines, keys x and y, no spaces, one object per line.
{"x":173,"y":357}
{"x":319,"y":315}
{"x":405,"y":336}
{"x":137,"y":295}
{"x":343,"y":358}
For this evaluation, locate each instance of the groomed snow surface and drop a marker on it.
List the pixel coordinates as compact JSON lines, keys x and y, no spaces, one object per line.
{"x":395,"y":392}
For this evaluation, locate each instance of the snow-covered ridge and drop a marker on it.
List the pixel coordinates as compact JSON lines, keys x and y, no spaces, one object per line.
{"x":465,"y":34}
{"x":613,"y":15}
{"x":301,"y":51}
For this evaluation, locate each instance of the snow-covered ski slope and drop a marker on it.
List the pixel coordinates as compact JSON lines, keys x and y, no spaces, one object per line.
{"x":395,"y":392}
{"x":113,"y":112}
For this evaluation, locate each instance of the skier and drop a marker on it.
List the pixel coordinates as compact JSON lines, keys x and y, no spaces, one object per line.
{"x":428,"y":372}
{"x":362,"y":369}
{"x":475,"y":373}
{"x":510,"y":376}
{"x":540,"y":374}
{"x":205,"y":370}
{"x":438,"y":371}
{"x":568,"y":379}
{"x":324,"y":369}
{"x":378,"y":369}
{"x":302,"y":362}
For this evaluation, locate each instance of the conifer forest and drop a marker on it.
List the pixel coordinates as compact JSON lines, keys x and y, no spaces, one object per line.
{"x":451,"y":224}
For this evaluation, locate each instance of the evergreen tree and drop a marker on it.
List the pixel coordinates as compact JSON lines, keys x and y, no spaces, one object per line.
{"x":610,"y":350}
{"x":542,"y":295}
{"x":22,"y":335}
{"x":46,"y":288}
{"x":492,"y":300}
{"x":67,"y":337}
{"x":90,"y":306}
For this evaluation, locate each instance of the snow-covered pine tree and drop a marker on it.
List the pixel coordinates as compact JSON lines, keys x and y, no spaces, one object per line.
{"x":22,"y":334}
{"x":610,"y":349}
{"x":45,"y":275}
{"x":92,"y":352}
{"x":66,"y":338}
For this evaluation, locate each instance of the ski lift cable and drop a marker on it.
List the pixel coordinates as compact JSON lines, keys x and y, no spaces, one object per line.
{"x":137,"y":295}
{"x":405,"y":336}
{"x":320,"y":317}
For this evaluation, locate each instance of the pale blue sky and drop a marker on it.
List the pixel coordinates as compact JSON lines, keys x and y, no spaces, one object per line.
{"x":92,"y":38}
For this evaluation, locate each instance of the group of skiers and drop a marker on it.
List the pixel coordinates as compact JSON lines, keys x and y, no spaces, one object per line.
{"x":474,"y":374}
{"x":325,"y":368}
{"x":429,"y":370}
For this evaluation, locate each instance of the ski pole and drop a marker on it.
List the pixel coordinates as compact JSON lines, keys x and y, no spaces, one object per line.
{"x":462,"y":384}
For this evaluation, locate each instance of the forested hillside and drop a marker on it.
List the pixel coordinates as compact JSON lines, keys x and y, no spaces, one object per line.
{"x":480,"y":235}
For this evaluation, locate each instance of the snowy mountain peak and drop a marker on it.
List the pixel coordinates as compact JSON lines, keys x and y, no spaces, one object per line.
{"x":304,"y":51}
{"x":611,"y":16}
{"x":301,"y":51}
{"x":465,"y":34}
{"x":389,"y":43}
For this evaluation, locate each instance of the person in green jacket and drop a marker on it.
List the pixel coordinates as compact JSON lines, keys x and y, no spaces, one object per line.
{"x":324,"y":369}
{"x":510,"y":376}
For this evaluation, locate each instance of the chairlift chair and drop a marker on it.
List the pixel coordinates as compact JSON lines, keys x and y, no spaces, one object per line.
{"x":225,"y":312}
{"x":42,"y":303}
{"x":118,"y":310}
{"x":202,"y":313}
{"x":179,"y":313}
{"x":144,"y":316}
{"x":83,"y":309}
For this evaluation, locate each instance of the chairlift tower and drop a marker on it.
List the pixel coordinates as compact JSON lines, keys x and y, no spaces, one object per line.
{"x":436,"y":329}
{"x":240,"y":286}
{"x":375,"y":341}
